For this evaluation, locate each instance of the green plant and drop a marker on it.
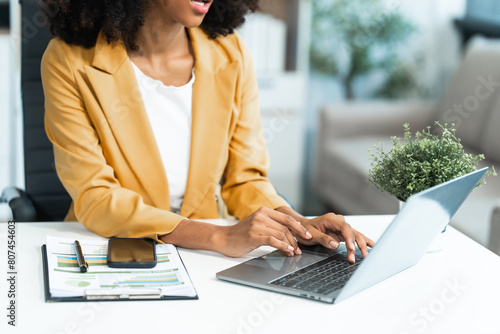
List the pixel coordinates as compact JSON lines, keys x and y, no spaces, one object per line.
{"x":400,"y":82}
{"x":352,"y":38}
{"x":416,"y":163}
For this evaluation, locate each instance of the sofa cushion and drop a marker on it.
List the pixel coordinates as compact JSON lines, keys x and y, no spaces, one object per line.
{"x":472,"y":90}
{"x":342,"y":177}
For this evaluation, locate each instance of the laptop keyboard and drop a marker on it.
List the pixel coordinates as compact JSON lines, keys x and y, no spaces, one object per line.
{"x":321,"y":277}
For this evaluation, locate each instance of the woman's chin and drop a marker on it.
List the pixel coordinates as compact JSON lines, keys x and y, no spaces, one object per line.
{"x":192,"y":22}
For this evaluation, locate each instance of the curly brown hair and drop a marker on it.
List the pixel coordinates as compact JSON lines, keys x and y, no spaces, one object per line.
{"x":80,"y":21}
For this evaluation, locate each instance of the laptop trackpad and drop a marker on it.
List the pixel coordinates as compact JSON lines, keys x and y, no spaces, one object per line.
{"x":285,"y":264}
{"x":282,"y":263}
{"x":268,"y":267}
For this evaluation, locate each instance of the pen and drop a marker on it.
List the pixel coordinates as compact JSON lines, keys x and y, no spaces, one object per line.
{"x":84,"y":266}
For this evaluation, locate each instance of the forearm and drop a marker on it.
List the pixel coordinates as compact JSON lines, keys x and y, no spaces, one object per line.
{"x":196,"y":235}
{"x":243,"y":196}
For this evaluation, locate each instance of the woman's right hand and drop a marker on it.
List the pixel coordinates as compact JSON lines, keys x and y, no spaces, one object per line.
{"x":264,"y":227}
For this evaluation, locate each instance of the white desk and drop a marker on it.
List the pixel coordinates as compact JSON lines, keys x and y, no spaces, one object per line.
{"x":421,"y":299}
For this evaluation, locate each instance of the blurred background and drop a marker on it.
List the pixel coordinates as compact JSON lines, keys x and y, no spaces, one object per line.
{"x":335,"y":78}
{"x":338,"y":52}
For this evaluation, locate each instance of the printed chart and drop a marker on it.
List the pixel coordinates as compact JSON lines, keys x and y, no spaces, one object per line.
{"x":65,"y":278}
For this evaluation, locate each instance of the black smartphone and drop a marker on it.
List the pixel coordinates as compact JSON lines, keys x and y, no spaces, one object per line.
{"x":131,"y":253}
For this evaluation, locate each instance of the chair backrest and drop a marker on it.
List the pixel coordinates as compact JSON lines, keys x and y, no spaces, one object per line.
{"x":471,"y":98}
{"x":43,"y":187}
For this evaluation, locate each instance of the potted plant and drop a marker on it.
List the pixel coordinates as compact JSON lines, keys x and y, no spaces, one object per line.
{"x":415,"y":163}
{"x":354,"y":38}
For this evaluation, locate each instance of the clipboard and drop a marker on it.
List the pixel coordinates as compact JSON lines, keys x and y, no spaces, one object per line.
{"x":107,"y":294}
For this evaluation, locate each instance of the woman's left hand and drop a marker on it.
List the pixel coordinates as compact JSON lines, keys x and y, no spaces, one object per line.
{"x":331,"y":229}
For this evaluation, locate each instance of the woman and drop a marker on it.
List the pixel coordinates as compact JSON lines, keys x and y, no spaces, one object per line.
{"x":136,"y":93}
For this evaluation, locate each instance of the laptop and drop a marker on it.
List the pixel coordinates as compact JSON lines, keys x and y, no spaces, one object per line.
{"x":325,"y":275}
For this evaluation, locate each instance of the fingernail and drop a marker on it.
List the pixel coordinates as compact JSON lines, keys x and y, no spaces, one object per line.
{"x":308,"y":235}
{"x":353,"y":246}
{"x":299,"y":251}
{"x":353,"y":258}
{"x":290,"y":248}
{"x":333,"y":244}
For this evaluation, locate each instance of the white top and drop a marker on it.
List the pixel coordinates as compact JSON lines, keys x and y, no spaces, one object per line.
{"x":169,"y":112}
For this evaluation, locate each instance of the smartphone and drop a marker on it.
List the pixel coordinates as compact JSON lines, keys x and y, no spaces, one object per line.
{"x":131,"y":253}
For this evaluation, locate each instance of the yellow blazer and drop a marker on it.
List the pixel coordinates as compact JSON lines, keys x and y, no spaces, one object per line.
{"x":106,"y":154}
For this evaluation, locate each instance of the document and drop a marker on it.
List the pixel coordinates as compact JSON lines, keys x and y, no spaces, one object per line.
{"x":169,"y":277}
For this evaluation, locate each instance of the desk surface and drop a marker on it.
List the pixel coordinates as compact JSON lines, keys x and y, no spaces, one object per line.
{"x":454,"y":291}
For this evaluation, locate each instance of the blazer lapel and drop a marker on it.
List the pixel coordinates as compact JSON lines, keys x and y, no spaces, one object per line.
{"x":213,"y":92}
{"x":113,"y":79}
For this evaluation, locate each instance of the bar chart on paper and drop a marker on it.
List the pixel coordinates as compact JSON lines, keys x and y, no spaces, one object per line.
{"x":150,"y":281}
{"x":99,"y":259}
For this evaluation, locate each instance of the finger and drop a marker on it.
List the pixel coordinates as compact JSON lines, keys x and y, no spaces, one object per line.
{"x":336,"y":224}
{"x":369,"y":242}
{"x":360,"y":240}
{"x":273,"y":242}
{"x":339,"y":238}
{"x":282,"y":233}
{"x":350,"y":240}
{"x":324,"y":239}
{"x":289,"y":222}
{"x":336,"y":237}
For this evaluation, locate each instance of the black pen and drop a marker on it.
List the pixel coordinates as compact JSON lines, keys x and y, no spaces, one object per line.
{"x":84,"y":266}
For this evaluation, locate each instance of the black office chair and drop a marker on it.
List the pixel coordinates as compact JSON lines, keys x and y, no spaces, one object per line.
{"x":44,"y":198}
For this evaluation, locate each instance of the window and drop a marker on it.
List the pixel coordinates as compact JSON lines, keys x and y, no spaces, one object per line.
{"x":484,"y":10}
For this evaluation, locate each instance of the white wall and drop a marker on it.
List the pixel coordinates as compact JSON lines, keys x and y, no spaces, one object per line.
{"x":11,"y":158}
{"x":436,"y":39}
{"x":4,"y":109}
{"x":16,"y":155}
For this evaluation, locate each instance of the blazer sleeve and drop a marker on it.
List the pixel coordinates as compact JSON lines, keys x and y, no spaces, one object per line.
{"x":245,"y":185}
{"x":100,"y":202}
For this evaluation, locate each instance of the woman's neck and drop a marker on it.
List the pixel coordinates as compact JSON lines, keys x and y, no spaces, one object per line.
{"x":159,"y":39}
{"x":165,"y":51}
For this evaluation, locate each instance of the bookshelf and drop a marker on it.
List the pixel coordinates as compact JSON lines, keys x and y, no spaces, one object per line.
{"x":283,"y":88}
